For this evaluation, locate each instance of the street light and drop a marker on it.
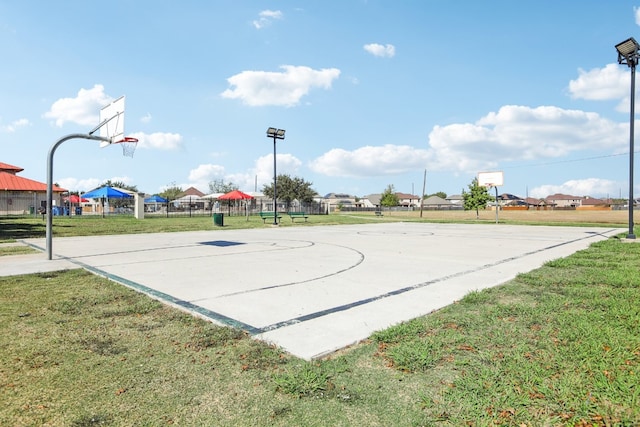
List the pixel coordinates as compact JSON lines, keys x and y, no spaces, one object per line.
{"x":628,"y":53}
{"x":275,"y":134}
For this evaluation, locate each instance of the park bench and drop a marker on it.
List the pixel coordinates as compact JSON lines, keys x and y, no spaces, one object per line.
{"x":379,"y":213}
{"x":295,"y":215}
{"x":268,"y":215}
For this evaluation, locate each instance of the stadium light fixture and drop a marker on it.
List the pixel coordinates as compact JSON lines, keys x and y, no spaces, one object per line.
{"x":628,"y":54}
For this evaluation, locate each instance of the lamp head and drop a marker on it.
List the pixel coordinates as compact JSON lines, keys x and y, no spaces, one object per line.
{"x":275,"y":133}
{"x":628,"y":52}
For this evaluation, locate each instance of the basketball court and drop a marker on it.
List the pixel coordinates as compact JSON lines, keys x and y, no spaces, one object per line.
{"x":314,"y":290}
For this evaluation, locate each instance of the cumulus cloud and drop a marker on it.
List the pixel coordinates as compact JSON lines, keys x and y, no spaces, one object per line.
{"x":84,"y":185}
{"x":206,"y":173}
{"x":610,"y":82}
{"x":266,"y":17}
{"x":84,"y":109}
{"x":517,"y":133}
{"x":287,"y":164}
{"x":381,"y":50}
{"x":15,"y":125}
{"x":158,"y":140}
{"x":370,"y":161}
{"x":286,"y":88}
{"x":593,"y":187}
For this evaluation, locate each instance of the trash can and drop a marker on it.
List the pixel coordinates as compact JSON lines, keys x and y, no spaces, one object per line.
{"x":78,"y":210}
{"x":218,"y":219}
{"x":32,"y":210}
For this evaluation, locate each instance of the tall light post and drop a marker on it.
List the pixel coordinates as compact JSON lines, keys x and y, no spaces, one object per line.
{"x":628,"y":53}
{"x":275,"y":134}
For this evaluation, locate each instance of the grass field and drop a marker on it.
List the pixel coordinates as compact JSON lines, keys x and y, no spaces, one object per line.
{"x":559,"y":346}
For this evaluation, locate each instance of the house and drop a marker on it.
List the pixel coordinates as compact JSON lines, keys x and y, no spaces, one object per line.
{"x":533,"y":203}
{"x":506,"y":199}
{"x":340,"y":200}
{"x":19,"y":195}
{"x":372,"y":200}
{"x":456,"y":199}
{"x":559,"y":200}
{"x":436,"y":203}
{"x":592,"y":203}
{"x":408,"y":200}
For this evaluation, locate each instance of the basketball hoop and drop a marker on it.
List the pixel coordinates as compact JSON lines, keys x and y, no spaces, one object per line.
{"x":128,"y":145}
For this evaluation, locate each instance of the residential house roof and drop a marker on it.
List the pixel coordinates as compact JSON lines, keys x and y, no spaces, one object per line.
{"x":534,"y":202}
{"x":436,"y":201}
{"x":192,"y":191}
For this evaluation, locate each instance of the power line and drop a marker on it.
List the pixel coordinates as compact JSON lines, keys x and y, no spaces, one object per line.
{"x":568,"y":161}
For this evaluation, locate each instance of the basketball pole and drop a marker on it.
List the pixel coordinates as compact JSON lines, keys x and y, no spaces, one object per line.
{"x":52,"y":150}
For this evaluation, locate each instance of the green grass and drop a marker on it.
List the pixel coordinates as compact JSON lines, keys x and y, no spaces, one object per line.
{"x":12,"y":228}
{"x":559,"y":346}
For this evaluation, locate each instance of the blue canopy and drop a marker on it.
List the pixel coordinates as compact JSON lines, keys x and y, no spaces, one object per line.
{"x":106,"y":192}
{"x":155,"y":199}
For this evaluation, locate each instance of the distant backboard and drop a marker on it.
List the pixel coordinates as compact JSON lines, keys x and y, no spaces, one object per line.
{"x":490,"y":179}
{"x":112,"y":121}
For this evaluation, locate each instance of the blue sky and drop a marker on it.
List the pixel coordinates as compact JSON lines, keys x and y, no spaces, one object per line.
{"x":370,"y":92}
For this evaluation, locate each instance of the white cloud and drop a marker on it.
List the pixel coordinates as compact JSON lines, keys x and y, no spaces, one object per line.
{"x":266,"y":17}
{"x":636,"y":12}
{"x":158,"y":140}
{"x":146,"y":119}
{"x":593,"y":187}
{"x":519,"y":133}
{"x":370,"y":161}
{"x":383,"y":51}
{"x":610,"y":82}
{"x":15,"y":125}
{"x":84,"y":109}
{"x":260,"y":174}
{"x":206,"y":173}
{"x":84,"y":185}
{"x":286,"y":88}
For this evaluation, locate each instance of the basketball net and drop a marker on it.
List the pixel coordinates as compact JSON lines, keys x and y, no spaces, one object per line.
{"x":128,"y":145}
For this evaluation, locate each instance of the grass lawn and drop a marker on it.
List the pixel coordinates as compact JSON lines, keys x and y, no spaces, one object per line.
{"x":557,"y":346}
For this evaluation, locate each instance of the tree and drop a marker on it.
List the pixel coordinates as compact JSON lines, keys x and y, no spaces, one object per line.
{"x":219,"y":186}
{"x":120,"y":184}
{"x":290,"y":189}
{"x":477,"y":197}
{"x":171,"y":193}
{"x":440,"y":194}
{"x":389,"y":197}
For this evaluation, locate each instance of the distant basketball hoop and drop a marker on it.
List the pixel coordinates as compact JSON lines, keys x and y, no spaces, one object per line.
{"x":490,"y":179}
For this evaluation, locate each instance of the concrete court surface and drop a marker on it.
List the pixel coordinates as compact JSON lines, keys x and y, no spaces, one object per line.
{"x":314,"y":290}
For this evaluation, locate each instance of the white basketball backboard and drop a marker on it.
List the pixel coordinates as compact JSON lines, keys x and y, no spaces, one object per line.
{"x":112,"y":121}
{"x":490,"y":179}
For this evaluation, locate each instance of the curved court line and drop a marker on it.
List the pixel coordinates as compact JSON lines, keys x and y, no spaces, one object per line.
{"x":400,"y":291}
{"x":335,"y":273}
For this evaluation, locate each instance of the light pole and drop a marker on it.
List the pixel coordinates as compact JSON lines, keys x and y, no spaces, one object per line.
{"x":275,"y":134}
{"x":628,"y":53}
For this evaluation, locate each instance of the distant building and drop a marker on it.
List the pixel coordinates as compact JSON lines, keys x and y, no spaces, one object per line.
{"x":20,"y":195}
